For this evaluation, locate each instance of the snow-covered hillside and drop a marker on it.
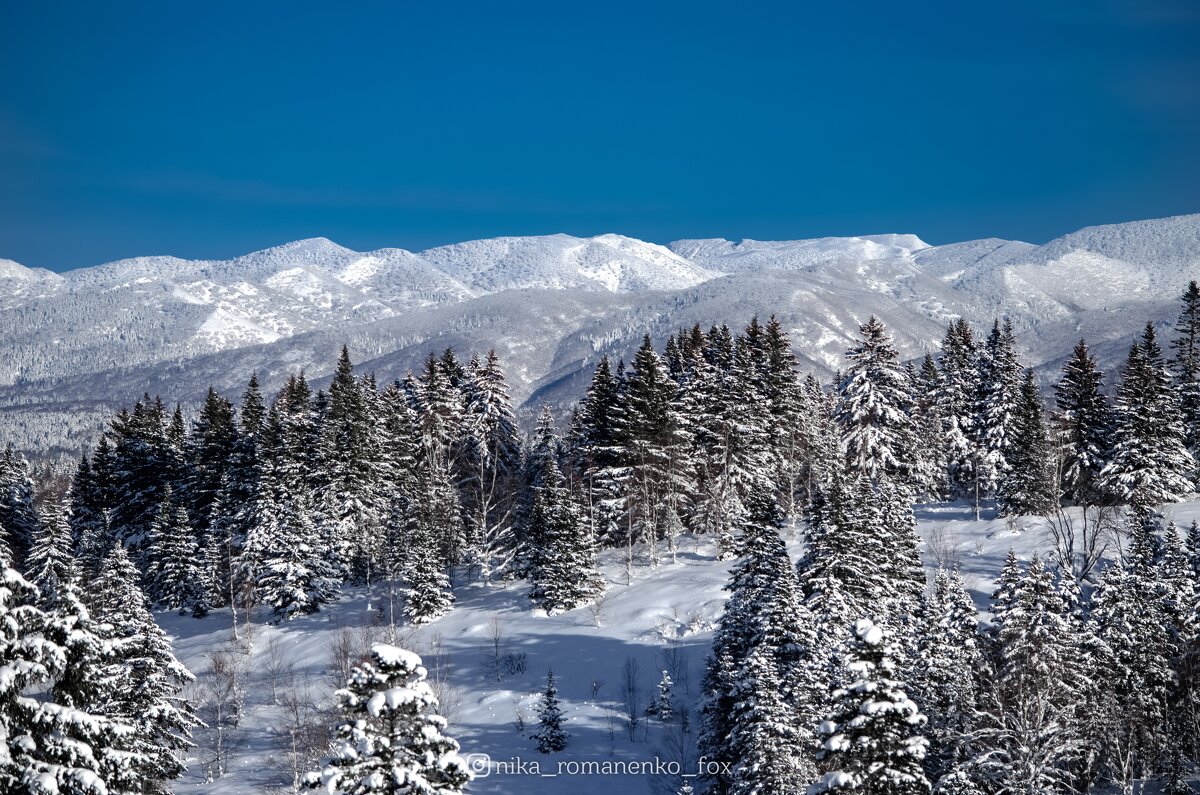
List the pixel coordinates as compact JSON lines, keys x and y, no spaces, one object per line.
{"x":661,"y":620}
{"x":78,"y":345}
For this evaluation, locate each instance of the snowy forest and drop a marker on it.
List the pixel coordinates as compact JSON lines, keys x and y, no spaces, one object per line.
{"x":845,"y":670}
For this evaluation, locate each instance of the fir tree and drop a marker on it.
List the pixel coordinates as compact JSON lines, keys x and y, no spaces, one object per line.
{"x":955,"y":400}
{"x":52,"y":556}
{"x":1084,"y":424}
{"x":490,"y":464}
{"x":872,"y":740}
{"x":176,"y":570}
{"x":147,"y":679}
{"x":1185,"y":365}
{"x":770,"y":754}
{"x":391,"y":738}
{"x":951,"y":658}
{"x":663,"y":705}
{"x":549,"y":736}
{"x":1149,"y":463}
{"x":1026,"y":486}
{"x":877,"y":431}
{"x":563,"y":572}
{"x":18,"y":518}
{"x":996,"y":408}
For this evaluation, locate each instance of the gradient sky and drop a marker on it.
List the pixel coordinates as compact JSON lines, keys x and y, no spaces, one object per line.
{"x":213,"y":129}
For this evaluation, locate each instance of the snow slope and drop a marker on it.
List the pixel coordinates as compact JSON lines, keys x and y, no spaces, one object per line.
{"x":662,"y":619}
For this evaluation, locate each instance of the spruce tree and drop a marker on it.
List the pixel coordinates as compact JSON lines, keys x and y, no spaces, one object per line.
{"x":1084,"y":426}
{"x":175,"y":573}
{"x":18,"y":518}
{"x":563,"y":572}
{"x":1150,"y":463}
{"x":391,"y":738}
{"x":955,"y":399}
{"x":1185,"y":365}
{"x":490,"y":465}
{"x":549,"y":736}
{"x":770,"y":753}
{"x":663,"y":705}
{"x":874,"y":409}
{"x":872,"y":741}
{"x":52,"y":555}
{"x":951,"y":660}
{"x":1026,"y":487}
{"x":148,"y":680}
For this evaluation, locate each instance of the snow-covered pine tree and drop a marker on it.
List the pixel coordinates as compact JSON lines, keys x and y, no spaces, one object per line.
{"x":79,"y":747}
{"x":663,"y":704}
{"x":349,"y":497}
{"x":1083,"y":425}
{"x":1150,"y":463}
{"x":597,"y":452}
{"x":142,"y":471}
{"x":147,"y":679}
{"x":765,"y":732}
{"x":175,"y":574}
{"x":996,"y":408}
{"x":1185,"y":365}
{"x":1133,"y":623}
{"x":52,"y":556}
{"x":872,"y":739}
{"x":764,"y":612}
{"x":208,"y":451}
{"x":1026,"y":487}
{"x":562,"y":571}
{"x":782,"y":390}
{"x":549,"y":736}
{"x":951,"y":660}
{"x":875,"y":408}
{"x":28,"y":659}
{"x":432,"y":509}
{"x":489,"y":462}
{"x":88,"y":517}
{"x":657,"y":443}
{"x":18,"y":518}
{"x":391,"y":738}
{"x":1027,"y":735}
{"x":295,"y":578}
{"x":958,"y":386}
{"x":931,"y":464}
{"x":241,"y":501}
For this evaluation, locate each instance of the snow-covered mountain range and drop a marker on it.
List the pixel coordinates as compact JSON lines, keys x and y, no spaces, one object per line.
{"x":76,"y":345}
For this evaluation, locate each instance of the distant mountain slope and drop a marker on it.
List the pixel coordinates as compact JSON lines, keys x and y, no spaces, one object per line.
{"x":80,"y":343}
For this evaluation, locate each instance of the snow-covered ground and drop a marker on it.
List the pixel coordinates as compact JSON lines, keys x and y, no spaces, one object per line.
{"x":660,"y":620}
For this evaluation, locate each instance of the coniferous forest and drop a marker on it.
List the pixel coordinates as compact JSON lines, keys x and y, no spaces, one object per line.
{"x":845,"y":669}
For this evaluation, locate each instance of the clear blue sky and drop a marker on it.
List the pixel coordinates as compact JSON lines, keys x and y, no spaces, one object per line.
{"x":212,"y":129}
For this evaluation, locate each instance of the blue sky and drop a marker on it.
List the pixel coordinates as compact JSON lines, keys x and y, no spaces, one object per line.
{"x":212,"y":129}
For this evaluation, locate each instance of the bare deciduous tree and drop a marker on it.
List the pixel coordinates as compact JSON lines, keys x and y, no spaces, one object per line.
{"x":631,"y":696}
{"x":301,"y":738}
{"x":1080,"y":541}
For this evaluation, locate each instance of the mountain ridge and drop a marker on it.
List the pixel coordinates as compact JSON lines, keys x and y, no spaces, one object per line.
{"x":82,"y":342}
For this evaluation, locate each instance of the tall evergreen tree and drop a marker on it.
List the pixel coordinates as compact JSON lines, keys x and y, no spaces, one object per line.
{"x":1185,"y":365}
{"x":1026,"y":487}
{"x":549,"y":735}
{"x":872,"y":741}
{"x":1084,"y":425}
{"x":18,"y":518}
{"x":563,"y":572}
{"x":1150,"y":463}
{"x":392,"y":738}
{"x":874,"y":412}
{"x":147,"y":679}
